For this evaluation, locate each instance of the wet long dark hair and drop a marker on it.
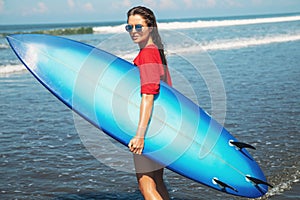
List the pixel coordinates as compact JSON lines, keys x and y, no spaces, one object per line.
{"x":150,"y":19}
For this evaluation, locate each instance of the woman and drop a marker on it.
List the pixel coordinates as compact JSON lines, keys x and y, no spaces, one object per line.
{"x":152,"y":65}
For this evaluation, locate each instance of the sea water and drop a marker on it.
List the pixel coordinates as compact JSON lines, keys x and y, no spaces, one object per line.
{"x":42,"y":150}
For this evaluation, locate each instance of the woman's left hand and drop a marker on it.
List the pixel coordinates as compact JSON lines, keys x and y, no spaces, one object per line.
{"x":136,"y":145}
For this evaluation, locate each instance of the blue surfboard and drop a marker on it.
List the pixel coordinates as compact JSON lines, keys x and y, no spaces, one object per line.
{"x":105,"y":90}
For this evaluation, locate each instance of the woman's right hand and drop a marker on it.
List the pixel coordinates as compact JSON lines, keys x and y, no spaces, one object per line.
{"x":136,"y":145}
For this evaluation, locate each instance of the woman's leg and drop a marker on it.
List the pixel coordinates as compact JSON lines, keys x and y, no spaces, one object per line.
{"x":148,"y":186}
{"x":160,"y":184}
{"x":150,"y":178}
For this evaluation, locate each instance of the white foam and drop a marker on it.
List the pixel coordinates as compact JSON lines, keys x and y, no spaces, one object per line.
{"x":109,"y":29}
{"x":208,"y":46}
{"x":4,"y":46}
{"x":222,"y":45}
{"x":283,"y":186}
{"x":11,"y":69}
{"x":201,"y":24}
{"x":221,"y":23}
{"x":247,"y":42}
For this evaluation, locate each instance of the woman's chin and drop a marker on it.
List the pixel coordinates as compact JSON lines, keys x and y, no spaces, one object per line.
{"x":135,"y":40}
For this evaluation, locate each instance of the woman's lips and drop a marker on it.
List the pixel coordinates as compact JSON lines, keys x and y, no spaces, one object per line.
{"x":134,"y":37}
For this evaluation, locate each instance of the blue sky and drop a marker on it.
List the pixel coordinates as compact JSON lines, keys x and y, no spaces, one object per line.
{"x":60,"y":11}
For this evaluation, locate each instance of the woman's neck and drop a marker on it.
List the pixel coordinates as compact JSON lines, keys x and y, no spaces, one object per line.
{"x":146,"y":43}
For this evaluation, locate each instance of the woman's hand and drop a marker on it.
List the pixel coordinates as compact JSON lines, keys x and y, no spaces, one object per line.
{"x":136,"y":145}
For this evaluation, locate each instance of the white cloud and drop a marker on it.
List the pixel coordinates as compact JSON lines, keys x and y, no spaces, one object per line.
{"x":39,"y":8}
{"x":233,"y":3}
{"x":1,"y":5}
{"x":188,"y":3}
{"x":256,"y":2}
{"x":167,"y":4}
{"x":202,"y":4}
{"x":160,"y":4}
{"x":71,"y":3}
{"x":150,"y":3}
{"x":88,"y":7}
{"x":211,"y":3}
{"x":80,"y":6}
{"x":126,"y":3}
{"x":116,"y":5}
{"x":196,"y":4}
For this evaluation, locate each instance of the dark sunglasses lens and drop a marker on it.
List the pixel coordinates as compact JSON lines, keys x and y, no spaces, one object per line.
{"x":128,"y":28}
{"x":138,"y":27}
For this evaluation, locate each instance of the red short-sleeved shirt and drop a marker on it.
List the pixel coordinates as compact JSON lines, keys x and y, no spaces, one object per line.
{"x":151,"y":69}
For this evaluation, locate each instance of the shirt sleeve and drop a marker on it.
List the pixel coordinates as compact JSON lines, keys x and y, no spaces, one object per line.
{"x":150,"y":68}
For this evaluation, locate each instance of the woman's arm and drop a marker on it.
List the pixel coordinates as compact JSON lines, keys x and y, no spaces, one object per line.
{"x":136,"y":144}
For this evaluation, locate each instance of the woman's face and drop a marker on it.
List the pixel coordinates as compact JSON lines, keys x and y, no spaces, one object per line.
{"x":143,"y":37}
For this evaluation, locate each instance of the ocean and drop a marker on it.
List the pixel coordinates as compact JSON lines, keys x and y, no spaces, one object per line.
{"x":44,"y":153}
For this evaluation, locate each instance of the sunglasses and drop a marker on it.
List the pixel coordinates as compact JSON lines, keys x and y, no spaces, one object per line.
{"x":138,"y":27}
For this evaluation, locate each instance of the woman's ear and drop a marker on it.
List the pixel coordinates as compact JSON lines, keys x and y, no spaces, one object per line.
{"x":150,"y":29}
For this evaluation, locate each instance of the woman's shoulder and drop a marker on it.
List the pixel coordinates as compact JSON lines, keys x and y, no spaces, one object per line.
{"x":149,"y":54}
{"x":150,"y":50}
